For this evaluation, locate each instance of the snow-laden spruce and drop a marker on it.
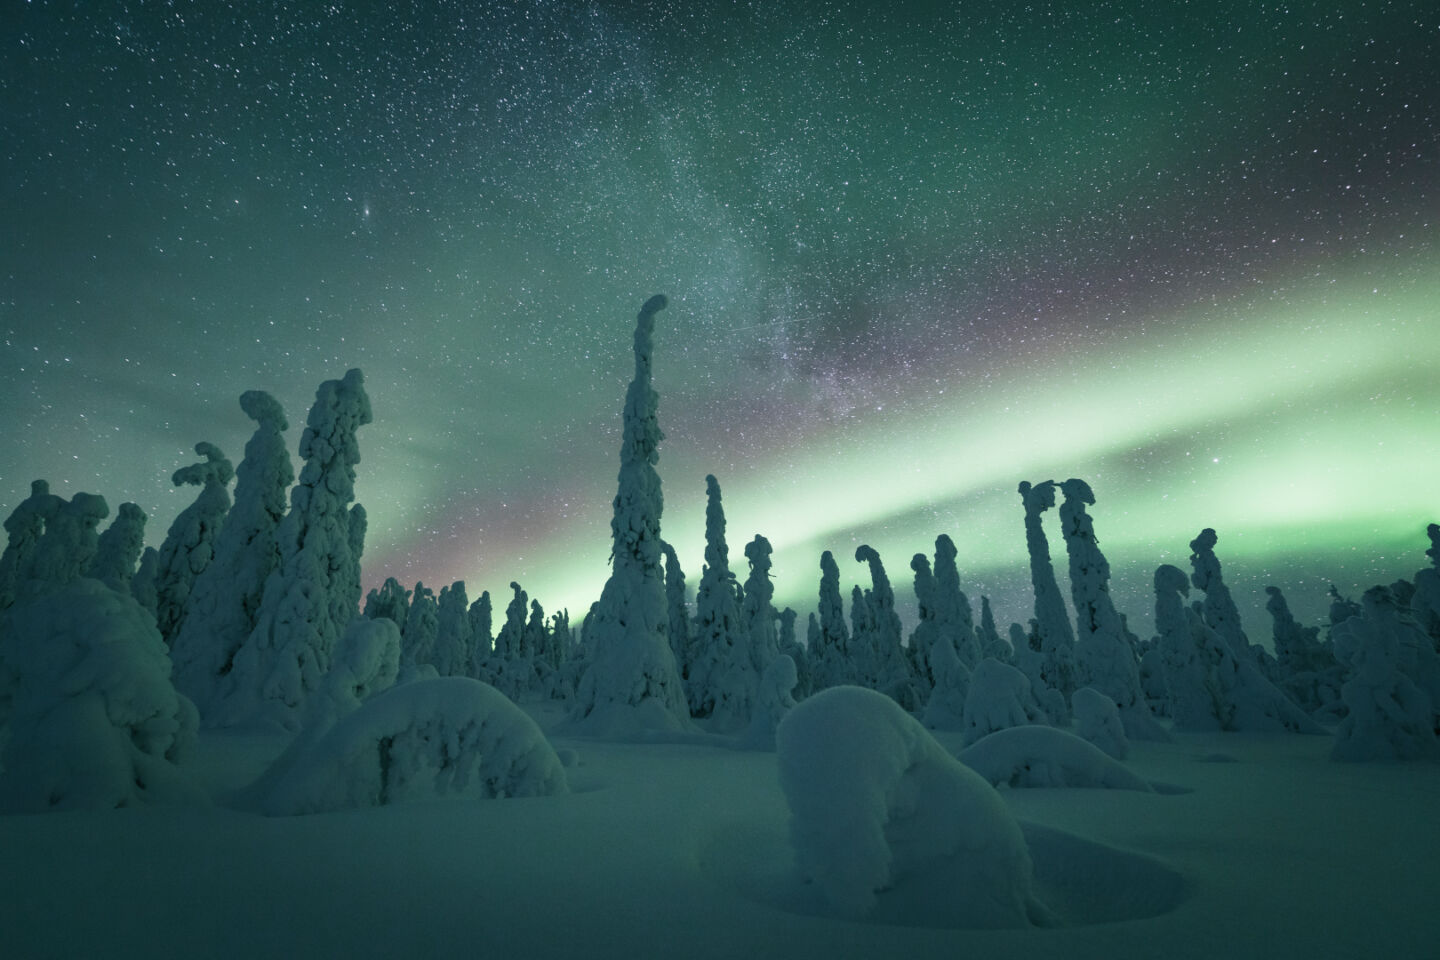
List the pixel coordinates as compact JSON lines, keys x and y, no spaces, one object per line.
{"x":481,"y":639}
{"x":88,"y":715}
{"x":390,"y":600}
{"x":1426,"y":601}
{"x":680,"y":632}
{"x":23,"y":528}
{"x":953,"y":612}
{"x":119,"y":547}
{"x":422,"y":623}
{"x":451,"y":653}
{"x":1052,"y":622}
{"x":1308,"y":671}
{"x":189,"y":546}
{"x":1104,"y":655}
{"x":1219,"y":608}
{"x":757,"y":607}
{"x":1391,"y":714}
{"x":1209,"y":687}
{"x":632,"y":683}
{"x":875,"y":801}
{"x":443,"y":737}
{"x":880,"y":653}
{"x":1041,"y":756}
{"x":723,"y":684}
{"x":999,"y":697}
{"x":313,"y":593}
{"x":225,"y":597}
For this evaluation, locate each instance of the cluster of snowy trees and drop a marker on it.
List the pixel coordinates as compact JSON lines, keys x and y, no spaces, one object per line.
{"x":112,"y":653}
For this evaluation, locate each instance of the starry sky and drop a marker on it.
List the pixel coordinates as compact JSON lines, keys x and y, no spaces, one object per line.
{"x":915,"y":253}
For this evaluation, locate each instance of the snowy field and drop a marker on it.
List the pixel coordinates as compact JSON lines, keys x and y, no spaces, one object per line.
{"x":1254,"y":846}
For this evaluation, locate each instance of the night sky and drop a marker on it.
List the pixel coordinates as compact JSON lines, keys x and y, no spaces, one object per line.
{"x":915,"y":253}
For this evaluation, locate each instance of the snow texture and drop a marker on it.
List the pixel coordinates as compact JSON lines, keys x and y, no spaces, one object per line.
{"x":118,"y":548}
{"x":225,"y":597}
{"x":1040,"y":756}
{"x":189,"y":546}
{"x":1052,"y":622}
{"x":1097,"y":720}
{"x":874,"y":800}
{"x":1104,"y":656}
{"x":313,"y":593}
{"x":632,"y":684}
{"x":446,"y":737}
{"x":1391,"y":715}
{"x":93,"y":719}
{"x":999,"y":697}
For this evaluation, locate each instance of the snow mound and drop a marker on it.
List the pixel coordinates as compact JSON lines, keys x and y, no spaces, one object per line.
{"x":93,"y":720}
{"x":875,"y":800}
{"x":1000,"y":696}
{"x":1040,"y":756}
{"x":1097,"y":719}
{"x":450,"y":736}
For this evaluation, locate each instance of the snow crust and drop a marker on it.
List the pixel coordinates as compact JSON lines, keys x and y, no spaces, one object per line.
{"x":874,"y":798}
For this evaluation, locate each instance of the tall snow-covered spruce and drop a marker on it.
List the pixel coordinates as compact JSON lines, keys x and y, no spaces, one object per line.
{"x":633,"y":684}
{"x":313,"y":593}
{"x":225,"y":597}
{"x":1052,"y":623}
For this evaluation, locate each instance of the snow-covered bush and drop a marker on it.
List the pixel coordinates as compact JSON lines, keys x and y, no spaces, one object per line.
{"x":1097,"y":720}
{"x":999,"y":697}
{"x":93,"y":719}
{"x":450,"y":736}
{"x":875,"y":800}
{"x":1039,"y":756}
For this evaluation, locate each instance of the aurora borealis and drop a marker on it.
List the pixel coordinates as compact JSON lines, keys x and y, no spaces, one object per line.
{"x":915,"y":253}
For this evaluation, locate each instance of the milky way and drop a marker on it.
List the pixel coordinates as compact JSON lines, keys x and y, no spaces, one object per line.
{"x":1184,"y":251}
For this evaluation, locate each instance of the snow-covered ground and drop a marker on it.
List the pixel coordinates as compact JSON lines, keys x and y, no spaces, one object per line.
{"x":1254,"y":846}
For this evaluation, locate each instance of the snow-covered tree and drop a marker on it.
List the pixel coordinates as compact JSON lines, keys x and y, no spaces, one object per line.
{"x":422,"y":624}
{"x":991,"y":643}
{"x":999,"y":697}
{"x":1052,"y":622}
{"x":482,"y":641}
{"x":926,"y":633}
{"x":680,"y":641}
{"x":189,"y":545}
{"x":757,"y":609}
{"x":875,"y":800}
{"x":225,"y":597}
{"x":69,"y":543}
{"x":798,"y":652}
{"x":890,"y":667}
{"x":537,"y":639}
{"x":24,"y":528}
{"x":390,"y":600}
{"x":831,"y":659}
{"x":1104,"y":656}
{"x":1210,"y":688}
{"x":313,"y":593}
{"x":119,"y":547}
{"x":1390,"y":716}
{"x":453,"y":643}
{"x":510,"y":642}
{"x":142,"y":585}
{"x":1426,"y":601}
{"x":1097,"y":720}
{"x":722,"y":681}
{"x":1307,"y":668}
{"x":954,"y":613}
{"x":1219,"y":609}
{"x":632,"y":682}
